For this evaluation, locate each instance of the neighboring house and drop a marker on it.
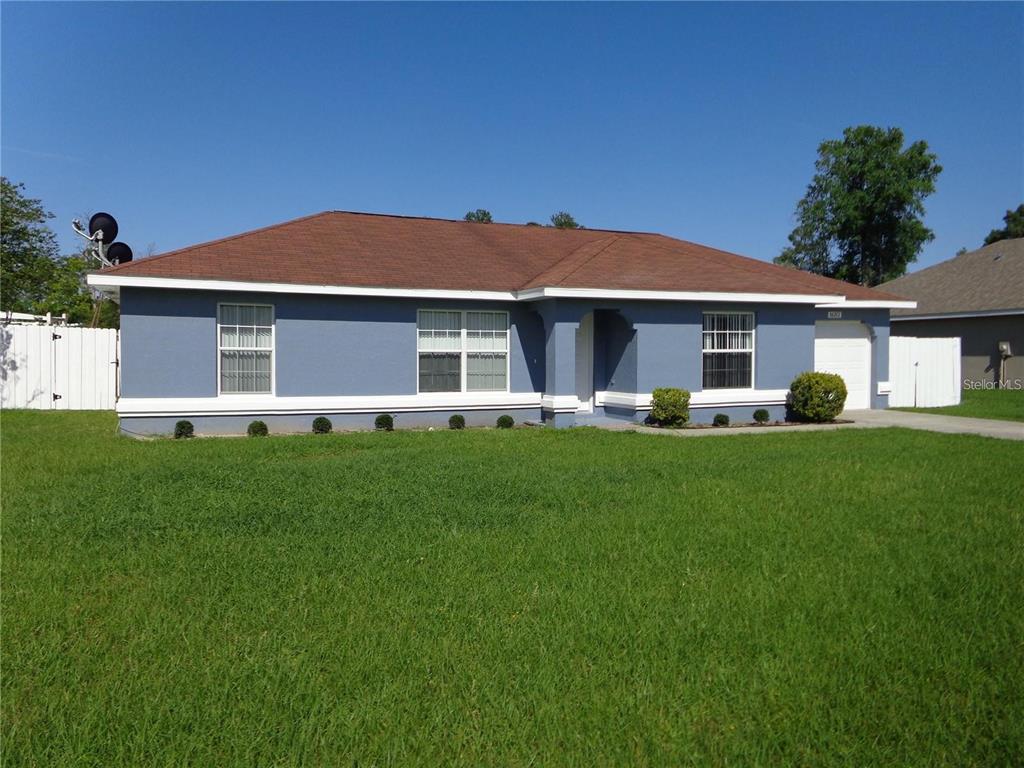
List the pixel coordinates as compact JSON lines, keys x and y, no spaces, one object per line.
{"x":978,"y":296}
{"x":351,"y":315}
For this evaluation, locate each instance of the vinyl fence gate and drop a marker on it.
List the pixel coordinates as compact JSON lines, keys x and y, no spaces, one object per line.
{"x":924,"y":373}
{"x":56,"y":367}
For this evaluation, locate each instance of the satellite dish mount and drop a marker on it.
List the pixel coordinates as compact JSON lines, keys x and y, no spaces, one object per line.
{"x":101,"y":232}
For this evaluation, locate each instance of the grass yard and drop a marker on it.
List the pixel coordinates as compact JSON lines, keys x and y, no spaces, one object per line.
{"x":1002,"y":404}
{"x":521,"y":597}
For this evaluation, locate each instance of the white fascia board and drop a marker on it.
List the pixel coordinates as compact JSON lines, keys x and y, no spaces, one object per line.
{"x":99,"y":280}
{"x":229,"y":405}
{"x":534,"y":294}
{"x":712,"y":398}
{"x":868,"y":304}
{"x":113,"y":281}
{"x":956,"y":315}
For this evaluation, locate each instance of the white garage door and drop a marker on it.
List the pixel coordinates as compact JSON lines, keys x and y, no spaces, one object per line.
{"x":844,"y":347}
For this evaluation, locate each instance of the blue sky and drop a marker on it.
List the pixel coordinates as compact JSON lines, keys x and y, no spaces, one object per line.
{"x":195,"y":121}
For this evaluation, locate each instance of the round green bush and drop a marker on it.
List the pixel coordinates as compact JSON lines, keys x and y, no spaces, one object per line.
{"x":761,"y":416}
{"x":322,"y":425}
{"x":183,"y":430}
{"x":384,"y":422}
{"x":816,"y":397}
{"x":505,"y":422}
{"x":720,"y":420}
{"x":456,"y":421}
{"x":257,"y":429}
{"x":670,"y":406}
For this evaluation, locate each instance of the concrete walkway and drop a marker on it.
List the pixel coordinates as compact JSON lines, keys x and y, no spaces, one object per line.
{"x":932,"y":422}
{"x":957,"y":425}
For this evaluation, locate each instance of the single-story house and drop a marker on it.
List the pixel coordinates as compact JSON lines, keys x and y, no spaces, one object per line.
{"x":350,"y":315}
{"x":978,"y":296}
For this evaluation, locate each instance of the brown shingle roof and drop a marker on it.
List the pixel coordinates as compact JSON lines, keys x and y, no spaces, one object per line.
{"x":990,"y":278}
{"x":374,"y":250}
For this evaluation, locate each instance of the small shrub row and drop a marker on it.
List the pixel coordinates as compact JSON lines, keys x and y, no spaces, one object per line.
{"x":385,"y":422}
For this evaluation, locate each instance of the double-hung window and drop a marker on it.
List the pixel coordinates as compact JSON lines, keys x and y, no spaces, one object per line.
{"x":462,"y":351}
{"x":246,"y":347}
{"x":728,"y":350}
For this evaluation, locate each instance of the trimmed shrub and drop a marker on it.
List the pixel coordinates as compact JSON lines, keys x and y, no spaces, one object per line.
{"x":183,"y":430}
{"x":720,"y":420}
{"x":322,"y":425}
{"x":505,"y":422}
{"x":385,"y":422}
{"x":670,"y":406}
{"x":761,"y":416}
{"x":257,"y":429}
{"x":816,"y":397}
{"x":456,"y":421}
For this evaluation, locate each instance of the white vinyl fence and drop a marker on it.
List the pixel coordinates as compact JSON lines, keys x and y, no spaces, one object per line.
{"x":924,"y":373}
{"x":56,"y":367}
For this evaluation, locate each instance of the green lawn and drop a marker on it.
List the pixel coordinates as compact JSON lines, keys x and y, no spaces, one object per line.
{"x":523,"y":597}
{"x":1003,"y":404}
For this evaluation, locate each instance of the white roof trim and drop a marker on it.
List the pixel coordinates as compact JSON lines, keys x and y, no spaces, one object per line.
{"x":869,"y":304}
{"x":954,"y":315}
{"x":115,"y":281}
{"x":531,"y":294}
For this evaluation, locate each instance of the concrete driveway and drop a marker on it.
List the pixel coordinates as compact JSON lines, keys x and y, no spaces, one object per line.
{"x":957,"y":425}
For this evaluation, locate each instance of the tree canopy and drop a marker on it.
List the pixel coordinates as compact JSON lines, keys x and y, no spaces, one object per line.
{"x":564,"y":220}
{"x":1014,"y":221}
{"x":480,"y":216}
{"x":861,"y":217}
{"x":34,"y":276}
{"x":28,"y":249}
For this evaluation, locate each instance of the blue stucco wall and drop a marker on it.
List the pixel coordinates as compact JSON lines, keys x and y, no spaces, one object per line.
{"x":335,"y":345}
{"x":324,"y":345}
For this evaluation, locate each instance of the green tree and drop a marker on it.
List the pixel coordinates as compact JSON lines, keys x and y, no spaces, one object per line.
{"x":1014,"y":221}
{"x":28,"y":249}
{"x":480,"y":216}
{"x":861,"y":218}
{"x":67,"y":291}
{"x":564,"y":220}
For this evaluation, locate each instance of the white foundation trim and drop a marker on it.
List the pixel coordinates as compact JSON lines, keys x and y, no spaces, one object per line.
{"x":712,"y":398}
{"x":226,"y":405}
{"x":560,"y":403}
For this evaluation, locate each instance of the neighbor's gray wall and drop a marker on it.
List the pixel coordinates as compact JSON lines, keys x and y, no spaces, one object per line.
{"x":324,"y":345}
{"x":979,"y":340}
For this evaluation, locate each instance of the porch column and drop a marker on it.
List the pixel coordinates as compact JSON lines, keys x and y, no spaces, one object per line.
{"x":561,"y":321}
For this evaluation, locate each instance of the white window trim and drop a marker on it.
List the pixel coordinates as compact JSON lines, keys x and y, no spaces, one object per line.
{"x":464,"y":352}
{"x":273,"y":351}
{"x":753,"y":350}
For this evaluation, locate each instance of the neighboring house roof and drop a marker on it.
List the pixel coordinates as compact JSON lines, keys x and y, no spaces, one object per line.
{"x":989,"y":280}
{"x":338,"y":248}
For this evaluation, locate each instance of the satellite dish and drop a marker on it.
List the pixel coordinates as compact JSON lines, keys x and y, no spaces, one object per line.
{"x":107,"y":223}
{"x":119,"y":253}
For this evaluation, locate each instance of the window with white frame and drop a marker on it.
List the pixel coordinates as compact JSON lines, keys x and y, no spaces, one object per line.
{"x":246,"y":348}
{"x":462,"y":351}
{"x":728,"y":350}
